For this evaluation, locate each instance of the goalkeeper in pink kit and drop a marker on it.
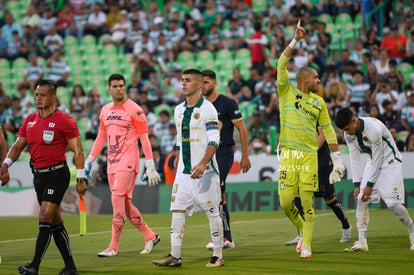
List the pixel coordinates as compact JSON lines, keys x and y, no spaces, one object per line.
{"x":123,"y":122}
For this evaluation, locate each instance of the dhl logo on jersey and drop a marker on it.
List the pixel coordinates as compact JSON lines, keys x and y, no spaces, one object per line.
{"x":115,"y":117}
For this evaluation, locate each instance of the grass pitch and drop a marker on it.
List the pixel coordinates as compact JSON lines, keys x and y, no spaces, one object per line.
{"x":259,"y":239}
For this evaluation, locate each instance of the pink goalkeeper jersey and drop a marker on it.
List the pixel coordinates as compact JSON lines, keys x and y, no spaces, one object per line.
{"x":121,"y":125}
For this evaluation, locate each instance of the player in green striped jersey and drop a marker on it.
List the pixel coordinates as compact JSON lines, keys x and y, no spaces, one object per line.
{"x":301,"y":110}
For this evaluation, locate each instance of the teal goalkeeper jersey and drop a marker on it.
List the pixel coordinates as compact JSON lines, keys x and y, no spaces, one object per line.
{"x":299,"y":113}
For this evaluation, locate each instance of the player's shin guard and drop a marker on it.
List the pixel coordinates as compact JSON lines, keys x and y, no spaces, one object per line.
{"x":338,"y":209}
{"x":61,"y":238}
{"x":362,"y":220}
{"x":42,"y":243}
{"x":216,"y":231}
{"x":401,"y":212}
{"x":225,"y":218}
{"x":177,"y":233}
{"x":136,"y":219}
{"x":309,"y":217}
{"x":118,"y":219}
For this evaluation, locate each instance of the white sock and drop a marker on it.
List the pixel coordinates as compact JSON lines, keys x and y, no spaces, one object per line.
{"x":177,"y":233}
{"x":362,"y":220}
{"x":401,"y":212}
{"x":216,"y":231}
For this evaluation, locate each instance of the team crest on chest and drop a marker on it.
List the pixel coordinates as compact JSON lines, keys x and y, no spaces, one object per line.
{"x":48,"y":136}
{"x":315,"y":102}
{"x":365,"y":138}
{"x":197,"y":116}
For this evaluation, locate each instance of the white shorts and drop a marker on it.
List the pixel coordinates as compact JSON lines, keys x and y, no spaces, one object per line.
{"x":194,"y":195}
{"x":389,"y":185}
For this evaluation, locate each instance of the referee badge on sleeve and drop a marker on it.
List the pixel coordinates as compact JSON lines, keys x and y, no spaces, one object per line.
{"x":48,"y":136}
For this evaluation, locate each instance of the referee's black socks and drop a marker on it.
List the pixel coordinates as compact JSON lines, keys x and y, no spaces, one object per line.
{"x":42,"y":243}
{"x":61,"y":238}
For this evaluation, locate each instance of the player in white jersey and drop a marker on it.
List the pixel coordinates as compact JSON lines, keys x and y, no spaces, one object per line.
{"x":382,"y":176}
{"x":197,"y":183}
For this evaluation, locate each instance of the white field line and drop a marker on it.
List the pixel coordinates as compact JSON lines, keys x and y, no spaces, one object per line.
{"x":165,"y":227}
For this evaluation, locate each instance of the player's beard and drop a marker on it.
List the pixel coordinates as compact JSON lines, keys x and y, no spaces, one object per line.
{"x":209,"y":92}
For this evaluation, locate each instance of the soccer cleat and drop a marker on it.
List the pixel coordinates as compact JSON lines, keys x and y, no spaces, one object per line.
{"x":169,"y":261}
{"x":294,"y":241}
{"x":27,"y":270}
{"x":346,"y":235}
{"x":412,"y":241}
{"x":228,"y":244}
{"x":109,"y":252}
{"x":357,"y":247}
{"x":305,"y":252}
{"x":149,"y":245}
{"x":68,"y":271}
{"x":215,"y":262}
{"x":210,"y":245}
{"x":299,"y":244}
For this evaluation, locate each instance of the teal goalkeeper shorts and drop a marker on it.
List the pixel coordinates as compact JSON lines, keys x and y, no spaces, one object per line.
{"x":298,"y":171}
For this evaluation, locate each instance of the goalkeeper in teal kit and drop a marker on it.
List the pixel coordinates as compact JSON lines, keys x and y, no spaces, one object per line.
{"x":301,"y":110}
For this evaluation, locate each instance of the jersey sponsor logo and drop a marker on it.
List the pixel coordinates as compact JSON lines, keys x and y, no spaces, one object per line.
{"x":212,"y":125}
{"x":48,"y":136}
{"x":305,"y":110}
{"x":115,"y":117}
{"x":51,"y":124}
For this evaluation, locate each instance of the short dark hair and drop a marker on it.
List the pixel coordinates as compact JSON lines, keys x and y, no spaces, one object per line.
{"x":46,"y":82}
{"x":209,"y":73}
{"x":343,"y":117}
{"x":357,"y":72}
{"x":194,"y":72}
{"x":115,"y":77}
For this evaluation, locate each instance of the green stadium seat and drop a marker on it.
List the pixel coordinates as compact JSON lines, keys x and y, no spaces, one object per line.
{"x":185,"y":56}
{"x":72,"y":50}
{"x":326,"y":18}
{"x":18,"y":66}
{"x":187,"y":64}
{"x":203,"y":56}
{"x":260,"y":5}
{"x":70,"y":40}
{"x":88,"y":39}
{"x":108,"y":49}
{"x":4,"y":63}
{"x":289,"y":32}
{"x":406,"y":69}
{"x":343,"y":19}
{"x":331,"y":28}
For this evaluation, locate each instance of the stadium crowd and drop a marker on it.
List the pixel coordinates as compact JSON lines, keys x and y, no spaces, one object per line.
{"x":371,"y":71}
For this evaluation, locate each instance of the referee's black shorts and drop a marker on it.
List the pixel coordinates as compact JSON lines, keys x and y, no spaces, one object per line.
{"x":225,"y":158}
{"x":51,"y":186}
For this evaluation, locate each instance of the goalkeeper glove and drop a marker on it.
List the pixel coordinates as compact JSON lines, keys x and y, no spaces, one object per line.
{"x":88,"y":167}
{"x":151,"y":175}
{"x":338,"y":170}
